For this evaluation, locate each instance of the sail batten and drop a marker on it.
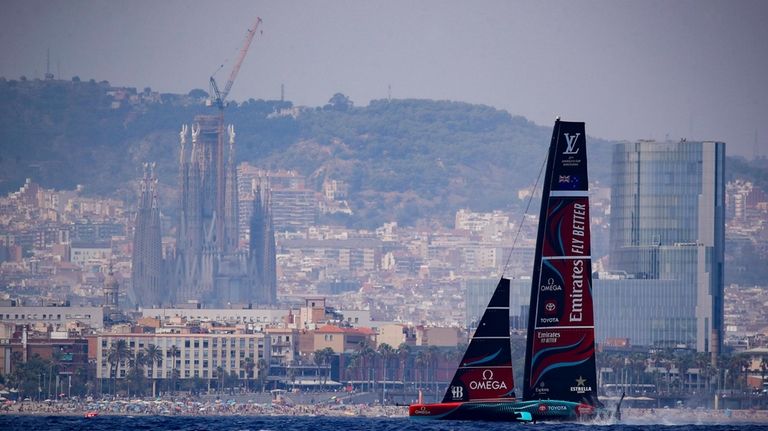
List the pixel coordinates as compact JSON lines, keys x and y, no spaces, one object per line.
{"x":560,"y":352}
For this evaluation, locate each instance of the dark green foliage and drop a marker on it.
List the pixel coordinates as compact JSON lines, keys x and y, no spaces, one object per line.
{"x":403,"y":159}
{"x":754,"y":170}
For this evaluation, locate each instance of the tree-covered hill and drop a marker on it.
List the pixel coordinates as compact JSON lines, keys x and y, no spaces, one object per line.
{"x":403,"y":159}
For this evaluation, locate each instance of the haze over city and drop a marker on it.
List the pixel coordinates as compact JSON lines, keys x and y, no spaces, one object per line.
{"x":631,"y":70}
{"x":376,"y":219}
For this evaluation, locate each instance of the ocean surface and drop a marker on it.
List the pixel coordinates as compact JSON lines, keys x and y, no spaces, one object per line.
{"x":324,"y":423}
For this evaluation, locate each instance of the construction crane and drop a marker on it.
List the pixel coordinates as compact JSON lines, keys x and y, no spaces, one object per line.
{"x":219,"y":97}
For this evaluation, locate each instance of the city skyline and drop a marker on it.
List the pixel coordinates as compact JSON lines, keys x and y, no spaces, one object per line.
{"x":640,"y":70}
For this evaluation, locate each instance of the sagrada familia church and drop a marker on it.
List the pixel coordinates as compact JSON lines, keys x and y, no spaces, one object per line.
{"x":208,"y":263}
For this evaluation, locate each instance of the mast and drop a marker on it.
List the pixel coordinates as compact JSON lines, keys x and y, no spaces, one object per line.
{"x":560,"y":350}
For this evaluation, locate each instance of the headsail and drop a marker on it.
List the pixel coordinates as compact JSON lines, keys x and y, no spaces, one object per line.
{"x":560,"y":348}
{"x":485,"y":371}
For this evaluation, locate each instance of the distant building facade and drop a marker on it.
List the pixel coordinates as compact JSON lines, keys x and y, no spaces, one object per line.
{"x":198,"y":355}
{"x":294,"y":207}
{"x":58,"y":317}
{"x":665,"y":283}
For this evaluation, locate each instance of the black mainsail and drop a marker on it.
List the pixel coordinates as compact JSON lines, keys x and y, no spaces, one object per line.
{"x":560,"y":348}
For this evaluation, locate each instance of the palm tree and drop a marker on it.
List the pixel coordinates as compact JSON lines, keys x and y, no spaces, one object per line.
{"x":702,"y":361}
{"x":638,"y":362}
{"x":387,"y":353}
{"x":420,"y":363}
{"x":290,"y":374}
{"x":263,"y":366}
{"x":249,"y":365}
{"x":173,"y":352}
{"x":135,"y":375}
{"x":322,"y":359}
{"x":353,"y":364}
{"x":220,"y":375}
{"x":356,"y":365}
{"x":735,"y":366}
{"x":366,"y":353}
{"x":668,"y":367}
{"x":118,"y":353}
{"x":434,"y":356}
{"x":153,"y":355}
{"x":231,"y":380}
{"x":403,"y":353}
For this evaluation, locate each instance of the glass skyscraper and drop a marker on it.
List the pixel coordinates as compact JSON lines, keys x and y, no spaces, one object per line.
{"x":665,"y":285}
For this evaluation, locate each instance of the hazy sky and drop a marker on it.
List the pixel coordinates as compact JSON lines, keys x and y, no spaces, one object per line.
{"x":629,"y":69}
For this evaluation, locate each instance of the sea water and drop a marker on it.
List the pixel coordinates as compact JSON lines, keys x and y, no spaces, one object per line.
{"x":325,"y":423}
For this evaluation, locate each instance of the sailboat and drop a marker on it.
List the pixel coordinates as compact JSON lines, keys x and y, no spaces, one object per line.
{"x":560,"y":378}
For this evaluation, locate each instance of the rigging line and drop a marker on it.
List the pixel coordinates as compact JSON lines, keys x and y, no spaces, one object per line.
{"x":527,"y":207}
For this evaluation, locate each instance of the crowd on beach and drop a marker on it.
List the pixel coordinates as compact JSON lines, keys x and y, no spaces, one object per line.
{"x":192,"y":407}
{"x":329,"y":407}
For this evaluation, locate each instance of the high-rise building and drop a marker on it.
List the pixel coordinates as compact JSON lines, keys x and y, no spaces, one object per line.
{"x":262,"y":249}
{"x":665,"y":284}
{"x":294,"y":207}
{"x":209,"y":262}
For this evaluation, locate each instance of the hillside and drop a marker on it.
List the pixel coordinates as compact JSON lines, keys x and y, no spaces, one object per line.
{"x":403,"y":159}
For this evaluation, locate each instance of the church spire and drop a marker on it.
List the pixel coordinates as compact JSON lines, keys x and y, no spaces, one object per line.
{"x":147,"y":259}
{"x":232,"y":230}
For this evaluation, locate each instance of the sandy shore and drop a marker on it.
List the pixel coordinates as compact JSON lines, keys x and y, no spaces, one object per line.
{"x":199,"y":408}
{"x":188,"y":407}
{"x":681,"y":416}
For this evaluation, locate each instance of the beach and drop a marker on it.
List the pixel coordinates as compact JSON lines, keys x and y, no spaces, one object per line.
{"x":327,"y":406}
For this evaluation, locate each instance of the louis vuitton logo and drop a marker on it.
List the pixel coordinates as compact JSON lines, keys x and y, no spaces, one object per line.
{"x":571,"y":143}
